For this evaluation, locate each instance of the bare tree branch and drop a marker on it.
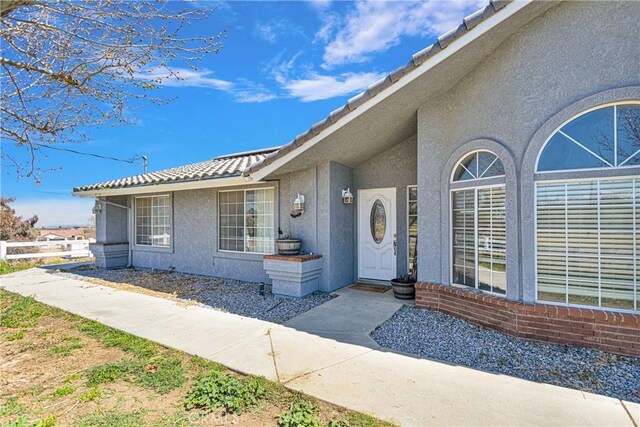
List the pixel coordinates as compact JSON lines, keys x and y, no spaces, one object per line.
{"x":66,"y":66}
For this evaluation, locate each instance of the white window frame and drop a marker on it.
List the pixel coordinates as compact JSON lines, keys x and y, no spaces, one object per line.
{"x":244,"y":221}
{"x":409,"y":187}
{"x":475,"y":189}
{"x":481,"y":178}
{"x":135,"y":221}
{"x":615,"y":140}
{"x":636,"y":291}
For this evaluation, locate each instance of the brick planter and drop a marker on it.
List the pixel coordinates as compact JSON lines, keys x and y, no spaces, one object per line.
{"x":603,"y":330}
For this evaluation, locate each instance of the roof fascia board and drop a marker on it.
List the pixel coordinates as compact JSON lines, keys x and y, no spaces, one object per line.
{"x":482,"y":28}
{"x":176,"y":186}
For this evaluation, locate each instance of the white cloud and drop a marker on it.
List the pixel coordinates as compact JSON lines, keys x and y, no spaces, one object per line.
{"x":317,"y":87}
{"x":376,"y":26}
{"x":55,"y":211}
{"x":242,"y":90}
{"x":182,"y":77}
{"x":266,"y":32}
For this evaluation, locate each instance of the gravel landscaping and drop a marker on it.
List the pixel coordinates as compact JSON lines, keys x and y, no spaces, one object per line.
{"x":443,"y":337}
{"x":233,"y":296}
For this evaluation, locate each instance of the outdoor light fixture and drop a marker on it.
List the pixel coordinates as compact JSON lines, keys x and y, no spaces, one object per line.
{"x":298,"y":204}
{"x":347,"y":197}
{"x":97,"y":208}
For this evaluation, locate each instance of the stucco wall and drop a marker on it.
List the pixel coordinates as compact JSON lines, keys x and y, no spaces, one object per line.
{"x":572,"y":52}
{"x":397,"y":168}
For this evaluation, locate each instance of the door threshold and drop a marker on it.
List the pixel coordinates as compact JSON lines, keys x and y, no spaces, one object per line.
{"x":376,"y":282}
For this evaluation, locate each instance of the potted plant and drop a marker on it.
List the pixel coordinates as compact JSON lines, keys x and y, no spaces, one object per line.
{"x":287,"y":244}
{"x":404,"y":287}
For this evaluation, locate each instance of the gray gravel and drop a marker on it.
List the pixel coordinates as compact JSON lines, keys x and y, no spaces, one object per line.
{"x":233,"y":296}
{"x":443,"y":337}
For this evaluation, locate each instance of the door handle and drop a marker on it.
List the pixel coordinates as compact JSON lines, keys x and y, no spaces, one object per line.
{"x":395,"y":247}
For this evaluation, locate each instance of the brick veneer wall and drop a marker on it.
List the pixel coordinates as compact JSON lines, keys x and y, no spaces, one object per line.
{"x":604,"y":330}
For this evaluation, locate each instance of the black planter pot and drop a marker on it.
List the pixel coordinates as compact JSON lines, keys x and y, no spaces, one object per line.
{"x":402,"y":290}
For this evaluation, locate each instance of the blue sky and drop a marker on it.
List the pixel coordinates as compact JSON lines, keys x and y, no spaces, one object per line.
{"x":284,"y":66}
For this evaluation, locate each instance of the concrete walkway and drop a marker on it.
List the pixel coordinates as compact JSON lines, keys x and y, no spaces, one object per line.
{"x":349,"y":318}
{"x":394,"y":387}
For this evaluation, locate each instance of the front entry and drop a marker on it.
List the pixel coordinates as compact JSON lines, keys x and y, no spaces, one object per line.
{"x":377,"y":244}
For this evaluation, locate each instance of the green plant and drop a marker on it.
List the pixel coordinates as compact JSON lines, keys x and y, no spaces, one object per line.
{"x":218,"y":390}
{"x":303,"y":413}
{"x":71,"y":343}
{"x":162,"y":376}
{"x":112,"y":419}
{"x":110,"y":372}
{"x":114,"y":338}
{"x":91,"y":395}
{"x":64,"y":391}
{"x":14,"y":337}
{"x":23,"y":313}
{"x":11,"y":407}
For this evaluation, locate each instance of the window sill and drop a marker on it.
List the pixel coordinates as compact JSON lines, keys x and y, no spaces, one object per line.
{"x":239,"y":255}
{"x":157,"y":249}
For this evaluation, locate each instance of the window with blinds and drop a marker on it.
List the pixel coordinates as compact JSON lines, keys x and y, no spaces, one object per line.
{"x":588,"y":233}
{"x":478,"y":234}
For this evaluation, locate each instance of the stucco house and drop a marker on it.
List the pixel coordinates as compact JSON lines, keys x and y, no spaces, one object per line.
{"x":503,"y":160}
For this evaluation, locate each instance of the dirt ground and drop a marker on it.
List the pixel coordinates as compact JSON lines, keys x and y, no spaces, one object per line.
{"x":47,"y":358}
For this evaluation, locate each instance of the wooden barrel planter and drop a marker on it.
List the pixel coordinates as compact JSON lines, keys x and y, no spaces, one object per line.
{"x":288,"y":246}
{"x":403,"y":289}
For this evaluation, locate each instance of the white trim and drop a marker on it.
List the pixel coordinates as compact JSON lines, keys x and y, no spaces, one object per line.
{"x":455,"y":46}
{"x":475,"y":178}
{"x":166,"y":187}
{"x":570,"y":119}
{"x":407,"y":223}
{"x":244,"y":216}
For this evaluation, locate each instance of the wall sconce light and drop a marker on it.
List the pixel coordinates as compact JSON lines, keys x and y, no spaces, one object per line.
{"x":97,"y":207}
{"x":347,"y":197}
{"x":298,"y":206}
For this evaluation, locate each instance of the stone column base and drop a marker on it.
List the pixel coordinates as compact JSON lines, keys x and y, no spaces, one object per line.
{"x":294,"y":276}
{"x":110,"y":255}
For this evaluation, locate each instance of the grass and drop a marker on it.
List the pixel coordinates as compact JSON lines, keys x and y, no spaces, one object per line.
{"x":114,"y":338}
{"x":74,"y":371}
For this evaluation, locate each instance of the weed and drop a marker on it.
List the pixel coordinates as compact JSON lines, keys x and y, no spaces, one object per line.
{"x":64,"y":391}
{"x":11,"y":407}
{"x":23,"y":313}
{"x":114,"y":338}
{"x":15,"y":336}
{"x":303,"y":413}
{"x":110,"y":372}
{"x":71,"y":343}
{"x":218,"y":390}
{"x":205,"y":365}
{"x":91,"y":395}
{"x":71,"y":378}
{"x":162,"y":375}
{"x":356,"y":419}
{"x":501,"y":362}
{"x":23,"y":421}
{"x":112,"y":418}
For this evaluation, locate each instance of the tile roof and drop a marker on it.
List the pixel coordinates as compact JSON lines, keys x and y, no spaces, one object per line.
{"x":417,"y":59}
{"x":219,"y":167}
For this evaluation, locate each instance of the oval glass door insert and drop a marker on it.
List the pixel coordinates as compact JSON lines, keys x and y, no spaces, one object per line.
{"x":378,"y":221}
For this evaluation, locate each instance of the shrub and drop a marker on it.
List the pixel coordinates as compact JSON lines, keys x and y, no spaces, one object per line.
{"x":218,"y":390}
{"x":303,"y":413}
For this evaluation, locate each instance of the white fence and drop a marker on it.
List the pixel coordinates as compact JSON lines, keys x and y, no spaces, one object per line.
{"x":52,"y":248}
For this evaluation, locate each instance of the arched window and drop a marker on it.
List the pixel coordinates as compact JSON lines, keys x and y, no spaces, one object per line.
{"x":478,"y":223}
{"x":588,"y":210}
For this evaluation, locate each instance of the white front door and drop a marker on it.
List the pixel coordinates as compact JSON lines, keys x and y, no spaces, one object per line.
{"x":377,"y":234}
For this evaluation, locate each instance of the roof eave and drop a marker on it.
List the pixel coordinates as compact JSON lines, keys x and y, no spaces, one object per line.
{"x":165,"y":187}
